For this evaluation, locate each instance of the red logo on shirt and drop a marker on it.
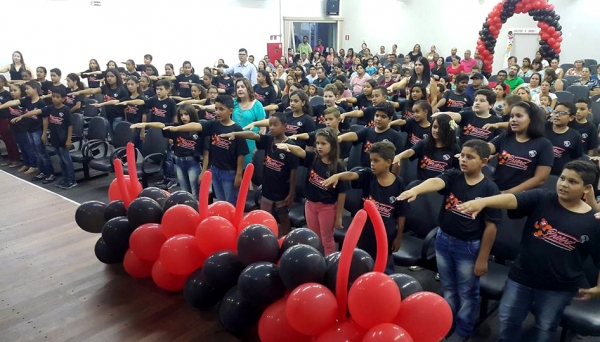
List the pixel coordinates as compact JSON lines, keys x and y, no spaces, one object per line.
{"x":259,"y":97}
{"x":451,"y":204}
{"x":56,"y":120}
{"x":508,"y":159}
{"x":476,"y":132}
{"x":273,"y":164}
{"x":408,"y":114}
{"x":220,"y":142}
{"x":185,"y":143}
{"x":131,"y":109}
{"x":433,"y":165}
{"x":316,"y":180}
{"x":15,"y":111}
{"x":413,"y":139}
{"x":558,"y":151}
{"x":109,"y":98}
{"x":292,"y":129}
{"x":384,"y":209}
{"x":367,"y":145}
{"x":553,"y":236}
{"x":159,"y":112}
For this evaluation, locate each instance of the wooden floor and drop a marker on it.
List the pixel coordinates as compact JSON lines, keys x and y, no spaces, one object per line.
{"x":52,"y":287}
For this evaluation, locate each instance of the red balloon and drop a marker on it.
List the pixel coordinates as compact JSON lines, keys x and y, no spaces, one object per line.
{"x":388,"y":332}
{"x":552,"y":41}
{"x":281,"y":240}
{"x":136,"y":267}
{"x":347,"y":331}
{"x":426,"y":316}
{"x":550,"y":7}
{"x":545,"y":36}
{"x":114,"y":193}
{"x":274,"y":326}
{"x":146,"y":241}
{"x":373,"y":299}
{"x":536,"y":4}
{"x":165,"y":280}
{"x":181,"y":255}
{"x":558,"y":50}
{"x":551,"y":30}
{"x":312,"y":308}
{"x":259,"y":217}
{"x":180,"y":219}
{"x":216,"y":234}
{"x":223,"y":209}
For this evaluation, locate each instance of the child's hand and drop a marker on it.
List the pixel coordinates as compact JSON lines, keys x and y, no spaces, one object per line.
{"x":15,"y":120}
{"x":289,"y":200}
{"x":238,"y":181}
{"x":44,"y":138}
{"x":97,"y":105}
{"x":170,"y":128}
{"x":490,"y":126}
{"x":283,"y":146}
{"x":397,"y":159}
{"x":481,"y":267}
{"x":249,"y":127}
{"x":408,"y":195}
{"x":396,"y":244}
{"x":75,"y":93}
{"x":588,"y":293}
{"x":293,"y":137}
{"x":331,"y":181}
{"x":473,"y":207}
{"x":68,"y":144}
{"x":338,"y":223}
{"x":137,"y":125}
{"x":230,"y":136}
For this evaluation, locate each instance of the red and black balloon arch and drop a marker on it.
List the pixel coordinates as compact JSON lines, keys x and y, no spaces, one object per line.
{"x":540,"y":10}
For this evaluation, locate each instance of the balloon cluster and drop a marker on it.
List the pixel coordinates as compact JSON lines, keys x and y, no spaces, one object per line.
{"x":286,"y":287}
{"x":540,"y":10}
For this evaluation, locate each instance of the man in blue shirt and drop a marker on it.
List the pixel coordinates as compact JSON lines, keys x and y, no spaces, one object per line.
{"x":244,"y":67}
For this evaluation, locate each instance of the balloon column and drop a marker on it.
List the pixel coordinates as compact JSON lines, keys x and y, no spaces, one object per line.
{"x":540,"y":10}
{"x":287,"y":287}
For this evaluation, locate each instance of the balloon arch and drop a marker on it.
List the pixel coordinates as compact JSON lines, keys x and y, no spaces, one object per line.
{"x":540,"y":10}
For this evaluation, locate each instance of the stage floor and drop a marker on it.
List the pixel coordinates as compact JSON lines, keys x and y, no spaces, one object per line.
{"x":52,"y":287}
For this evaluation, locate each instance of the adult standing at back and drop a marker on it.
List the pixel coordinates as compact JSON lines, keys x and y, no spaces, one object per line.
{"x":304,"y":47}
{"x":468,"y":63}
{"x":16,"y":67}
{"x":244,"y":67}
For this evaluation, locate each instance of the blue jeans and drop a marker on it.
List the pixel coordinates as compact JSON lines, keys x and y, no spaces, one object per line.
{"x":456,"y":263}
{"x":168,"y":168}
{"x":546,"y":306}
{"x":66,"y":164}
{"x":27,"y":149}
{"x":43,"y":158}
{"x":222,"y":182}
{"x":188,"y":170}
{"x":135,"y":138}
{"x":112,"y":124}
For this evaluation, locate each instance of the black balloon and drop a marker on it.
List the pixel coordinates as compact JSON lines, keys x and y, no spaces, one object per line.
{"x":302,"y":236}
{"x":257,"y":243}
{"x":106,"y":254}
{"x":361,"y":263}
{"x":222,"y":269}
{"x":117,"y":232}
{"x":180,"y":197}
{"x":261,"y":284}
{"x":156,"y":194}
{"x":115,"y":209}
{"x":90,"y":216}
{"x":301,"y":264}
{"x":236,"y":314}
{"x":144,"y":210}
{"x":406,"y":284}
{"x":198,"y":293}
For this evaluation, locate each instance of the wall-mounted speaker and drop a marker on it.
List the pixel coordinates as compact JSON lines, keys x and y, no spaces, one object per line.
{"x":332,"y":7}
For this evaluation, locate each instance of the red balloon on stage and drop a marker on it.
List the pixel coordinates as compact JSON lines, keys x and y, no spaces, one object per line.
{"x":426,"y":316}
{"x":373,"y":299}
{"x":181,"y":255}
{"x":347,"y":331}
{"x":388,"y":332}
{"x":180,"y":219}
{"x":259,"y":217}
{"x":136,"y":267}
{"x":114,"y":193}
{"x":312,"y":308}
{"x":165,"y":280}
{"x":223,"y":209}
{"x":216,"y":234}
{"x":146,"y":241}
{"x":274,"y":326}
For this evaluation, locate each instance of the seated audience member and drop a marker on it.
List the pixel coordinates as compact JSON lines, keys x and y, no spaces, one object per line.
{"x":512,"y":80}
{"x":576,"y":70}
{"x":586,"y":80}
{"x":566,"y":142}
{"x":545,"y":90}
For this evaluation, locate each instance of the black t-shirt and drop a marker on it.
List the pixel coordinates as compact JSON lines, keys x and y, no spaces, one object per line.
{"x":265,"y":96}
{"x":134,"y":74}
{"x":4,"y":97}
{"x":223,"y":152}
{"x":457,"y":191}
{"x":368,"y":118}
{"x":46,"y":85}
{"x":59,"y":120}
{"x":589,"y":135}
{"x":384,"y":198}
{"x":437,"y":162}
{"x":15,"y":111}
{"x":554,"y":244}
{"x":362,"y":102}
{"x":185,"y":144}
{"x":317,"y":173}
{"x":92,"y":79}
{"x":345,"y":146}
{"x":414,"y":132}
{"x":148,"y":93}
{"x":134,"y":113}
{"x":183,"y":86}
{"x":51,"y":89}
{"x":33,"y":123}
{"x":517,"y":161}
{"x":298,"y":125}
{"x":319,"y":117}
{"x":368,"y":136}
{"x":456,"y":102}
{"x":110,"y":94}
{"x":227,"y":84}
{"x":278,"y":165}
{"x":471,"y":127}
{"x":71,"y":101}
{"x":566,"y":147}
{"x":160,"y":110}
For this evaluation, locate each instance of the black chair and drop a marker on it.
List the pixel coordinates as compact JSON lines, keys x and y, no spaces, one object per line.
{"x":320,"y":91}
{"x":153,"y":152}
{"x":564,"y":96}
{"x":593,"y":69}
{"x":418,"y":240}
{"x":571,"y":79}
{"x":316,"y":100}
{"x":579,"y":91}
{"x":297,"y":213}
{"x":122,"y":137}
{"x":590,"y":62}
{"x":353,"y":204}
{"x":493,"y":78}
{"x":281,"y":84}
{"x":596,"y":112}
{"x":89,"y":110}
{"x":566,"y":66}
{"x":550,"y":183}
{"x":526,"y":79}
{"x":408,"y":170}
{"x":95,"y":145}
{"x":355,"y":156}
{"x":253,"y":199}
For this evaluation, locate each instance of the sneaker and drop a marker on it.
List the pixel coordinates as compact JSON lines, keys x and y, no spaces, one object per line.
{"x":170,"y":184}
{"x":32,"y":170}
{"x":49,"y":179}
{"x":24,"y":168}
{"x":415,"y":268}
{"x":162,"y":182}
{"x":39,"y":177}
{"x":15,"y":164}
{"x":437,"y":277}
{"x":60,"y":183}
{"x":68,"y":185}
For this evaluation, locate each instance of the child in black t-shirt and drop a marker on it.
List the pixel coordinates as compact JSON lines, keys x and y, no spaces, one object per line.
{"x":366,"y":117}
{"x":436,"y":152}
{"x":380,"y":186}
{"x":418,"y":92}
{"x":279,"y":170}
{"x":75,"y":103}
{"x":330,"y":93}
{"x":324,"y":205}
{"x":588,"y":131}
{"x":566,"y":142}
{"x":418,"y":127}
{"x":93,"y":74}
{"x":332,"y":119}
{"x":456,"y":100}
{"x":136,"y":113}
{"x":183,"y":81}
{"x":559,"y":235}
{"x":463,"y":242}
{"x":187,"y":149}
{"x":226,"y":156}
{"x":146,"y":86}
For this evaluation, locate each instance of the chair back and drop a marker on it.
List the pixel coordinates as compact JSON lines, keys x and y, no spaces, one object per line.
{"x":90,"y":111}
{"x":408,"y":170}
{"x":550,"y":183}
{"x":579,"y":91}
{"x":258,"y":160}
{"x":316,"y":100}
{"x":567,"y":66}
{"x":320,"y":91}
{"x":98,"y":129}
{"x":590,"y":62}
{"x":565,"y":96}
{"x":77,"y":122}
{"x":122,"y":134}
{"x":596,"y":112}
{"x":355,"y":156}
{"x":571,"y":79}
{"x":508,"y":238}
{"x":424,"y":214}
{"x":154,"y":142}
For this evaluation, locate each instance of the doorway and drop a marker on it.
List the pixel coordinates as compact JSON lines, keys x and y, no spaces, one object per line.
{"x":296,"y":28}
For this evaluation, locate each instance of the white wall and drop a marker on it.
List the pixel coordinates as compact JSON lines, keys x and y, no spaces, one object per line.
{"x":204,"y":30}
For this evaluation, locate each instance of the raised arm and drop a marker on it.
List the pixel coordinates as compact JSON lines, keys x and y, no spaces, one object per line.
{"x":455,"y":116}
{"x":295,"y":150}
{"x":88,"y":91}
{"x":259,"y":123}
{"x":27,"y":115}
{"x":243,"y":134}
{"x":352,"y":114}
{"x":131,"y":102}
{"x":342,"y":176}
{"x":158,"y":125}
{"x":10,"y":104}
{"x":350,"y":136}
{"x":398,"y":122}
{"x":404,"y":155}
{"x":190,"y":127}
{"x":431,"y":185}
{"x":502,"y":201}
{"x":107,"y":103}
{"x":301,"y":136}
{"x":398,"y":85}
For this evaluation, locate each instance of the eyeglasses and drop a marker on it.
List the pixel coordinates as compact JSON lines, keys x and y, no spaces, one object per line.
{"x":560,"y":113}
{"x":242,"y":54}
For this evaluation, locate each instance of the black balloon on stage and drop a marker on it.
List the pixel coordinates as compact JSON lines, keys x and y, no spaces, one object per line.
{"x":116,"y":233}
{"x":301,"y":264}
{"x":361,"y":263}
{"x":106,"y":254}
{"x":115,"y":209}
{"x":261,"y":284}
{"x":236,"y":314}
{"x":144,"y":210}
{"x":156,"y":194}
{"x":302,"y":236}
{"x":222,"y":269}
{"x":90,"y":216}
{"x":257,"y":243}
{"x":198,"y":293}
{"x":406,"y":284}
{"x":180,"y":197}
